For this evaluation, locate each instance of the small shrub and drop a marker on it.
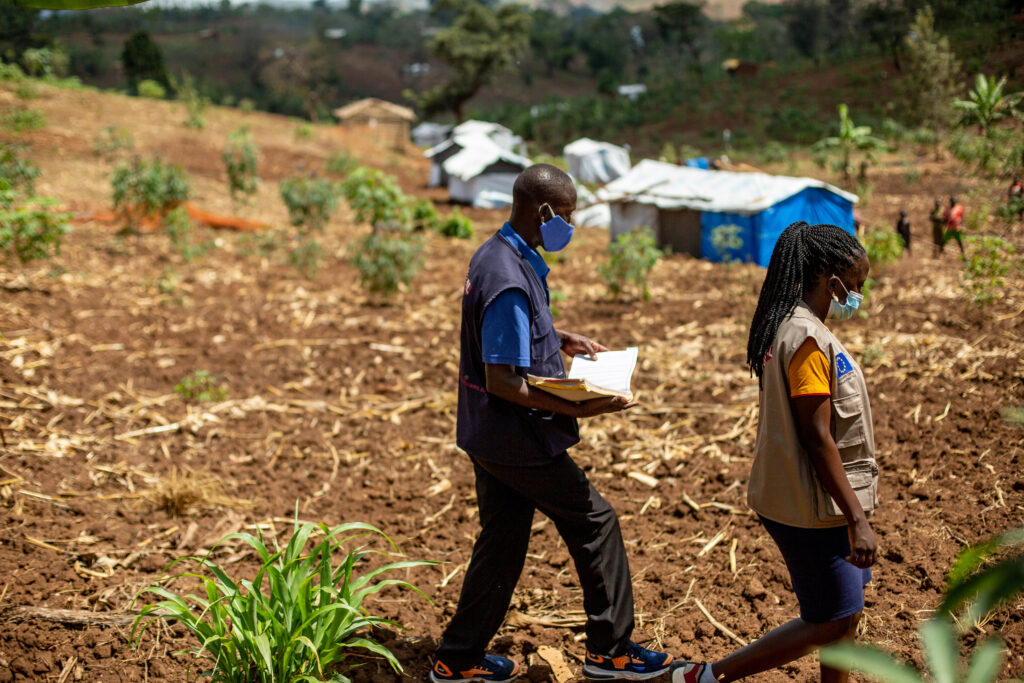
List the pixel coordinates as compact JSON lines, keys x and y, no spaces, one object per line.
{"x":310,"y":202}
{"x":27,"y":90}
{"x":986,"y":262}
{"x":305,"y":257}
{"x":457,"y":225}
{"x":147,"y":190}
{"x":45,"y":62}
{"x":300,"y":618}
{"x":630,"y":260}
{"x":20,"y":174}
{"x":883,"y":248}
{"x":28,"y":231}
{"x":179,"y":228}
{"x":200,"y":386}
{"x":240,"y":161}
{"x":194,"y":100}
{"x":112,"y":143}
{"x":11,"y":72}
{"x":23,"y":120}
{"x":388,"y":259}
{"x":726,"y":239}
{"x":246,"y":105}
{"x":376,"y":199}
{"x":303,"y":132}
{"x":340,"y":164}
{"x":424,"y":216}
{"x":152,"y":90}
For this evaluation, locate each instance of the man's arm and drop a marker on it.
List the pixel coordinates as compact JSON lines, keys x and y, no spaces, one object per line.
{"x":503,"y":382}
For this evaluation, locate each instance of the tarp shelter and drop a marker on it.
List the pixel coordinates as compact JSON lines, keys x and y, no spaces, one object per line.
{"x":683,"y":207}
{"x":590,"y":213}
{"x":469,"y":134}
{"x":499,"y":134}
{"x":429,"y":134}
{"x":596,"y":162}
{"x":482,"y":173}
{"x":384,"y":121}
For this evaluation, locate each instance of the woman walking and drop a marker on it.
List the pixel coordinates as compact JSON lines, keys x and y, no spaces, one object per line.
{"x":814,"y":478}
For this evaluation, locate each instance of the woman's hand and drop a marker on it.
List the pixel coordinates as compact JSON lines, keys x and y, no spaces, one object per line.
{"x":863,"y":546}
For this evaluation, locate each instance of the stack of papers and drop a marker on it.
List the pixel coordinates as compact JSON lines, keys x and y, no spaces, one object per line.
{"x":609,"y":375}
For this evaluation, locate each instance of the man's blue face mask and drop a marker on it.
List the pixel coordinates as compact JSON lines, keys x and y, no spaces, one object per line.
{"x":555,"y":233}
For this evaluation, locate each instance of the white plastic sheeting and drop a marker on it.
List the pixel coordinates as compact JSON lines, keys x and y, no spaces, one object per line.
{"x":429,"y":134}
{"x":589,"y":212}
{"x":498,"y":134}
{"x":668,"y":186}
{"x":487,"y":191}
{"x":596,"y":162}
{"x":477,"y":155}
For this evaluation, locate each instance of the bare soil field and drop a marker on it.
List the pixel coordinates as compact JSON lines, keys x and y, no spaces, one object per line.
{"x":343,"y":405}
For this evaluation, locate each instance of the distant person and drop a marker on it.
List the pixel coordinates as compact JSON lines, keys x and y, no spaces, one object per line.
{"x":1015,"y":197}
{"x":903,"y":228}
{"x":517,"y":437}
{"x":938,"y":220}
{"x":814,"y":476}
{"x":955,"y":223}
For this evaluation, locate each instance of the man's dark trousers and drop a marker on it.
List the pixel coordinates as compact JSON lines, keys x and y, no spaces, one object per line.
{"x":507,"y":497}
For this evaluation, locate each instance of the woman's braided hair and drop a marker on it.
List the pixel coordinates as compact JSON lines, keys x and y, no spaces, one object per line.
{"x":802,"y":253}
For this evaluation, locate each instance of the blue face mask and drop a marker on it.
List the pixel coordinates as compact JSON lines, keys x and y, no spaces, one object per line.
{"x":555,"y":233}
{"x":844,"y":311}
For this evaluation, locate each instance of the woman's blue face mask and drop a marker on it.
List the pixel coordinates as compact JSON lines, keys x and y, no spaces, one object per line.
{"x":846,"y":310}
{"x":555,"y":233}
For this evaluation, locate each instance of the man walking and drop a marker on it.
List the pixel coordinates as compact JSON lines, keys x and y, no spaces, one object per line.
{"x":903,"y":228}
{"x":516,"y":436}
{"x":938,"y":220}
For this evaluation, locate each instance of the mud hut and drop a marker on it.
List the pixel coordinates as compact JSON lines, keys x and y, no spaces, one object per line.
{"x":383,"y":121}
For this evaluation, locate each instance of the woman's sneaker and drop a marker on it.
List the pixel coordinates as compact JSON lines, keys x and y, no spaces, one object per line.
{"x":492,"y":668}
{"x":637,"y":664}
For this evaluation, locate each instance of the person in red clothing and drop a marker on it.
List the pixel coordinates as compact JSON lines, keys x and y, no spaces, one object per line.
{"x":955,"y":223}
{"x":1015,"y":197}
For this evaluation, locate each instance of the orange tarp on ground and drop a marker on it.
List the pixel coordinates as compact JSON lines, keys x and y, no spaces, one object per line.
{"x":200,"y":216}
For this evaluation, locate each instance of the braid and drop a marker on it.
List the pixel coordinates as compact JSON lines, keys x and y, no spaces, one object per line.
{"x":801,"y":254}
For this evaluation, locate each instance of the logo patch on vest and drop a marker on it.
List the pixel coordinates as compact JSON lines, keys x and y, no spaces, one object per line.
{"x":843,"y":365}
{"x":768,"y":354}
{"x":469,"y":286}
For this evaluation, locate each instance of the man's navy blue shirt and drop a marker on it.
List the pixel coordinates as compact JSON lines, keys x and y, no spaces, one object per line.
{"x":505,"y":333}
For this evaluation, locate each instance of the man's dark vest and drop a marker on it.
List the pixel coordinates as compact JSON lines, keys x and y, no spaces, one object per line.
{"x":491,"y":428}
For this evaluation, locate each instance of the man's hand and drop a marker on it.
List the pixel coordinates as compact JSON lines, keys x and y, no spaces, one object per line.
{"x":863,"y":547}
{"x":600,"y":406}
{"x":576,"y":344}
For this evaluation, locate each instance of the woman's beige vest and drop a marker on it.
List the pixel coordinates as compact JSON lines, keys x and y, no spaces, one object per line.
{"x":783,"y":484}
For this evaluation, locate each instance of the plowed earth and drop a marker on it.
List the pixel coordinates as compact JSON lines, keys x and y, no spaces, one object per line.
{"x":344,"y":405}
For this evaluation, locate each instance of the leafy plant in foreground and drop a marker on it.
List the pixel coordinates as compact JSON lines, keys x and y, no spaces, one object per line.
{"x":147,"y":190}
{"x":974,"y":588}
{"x":28,"y":231}
{"x":200,"y":386}
{"x":240,"y":161}
{"x":299,"y":619}
{"x":986,"y":262}
{"x":387,"y":259}
{"x":630,"y":259}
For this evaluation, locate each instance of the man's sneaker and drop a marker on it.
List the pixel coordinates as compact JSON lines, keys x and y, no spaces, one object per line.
{"x":636,"y":664}
{"x":491,"y":668}
{"x":690,"y":672}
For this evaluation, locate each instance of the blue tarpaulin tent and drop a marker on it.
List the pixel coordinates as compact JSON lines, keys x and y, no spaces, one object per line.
{"x":687,"y":207}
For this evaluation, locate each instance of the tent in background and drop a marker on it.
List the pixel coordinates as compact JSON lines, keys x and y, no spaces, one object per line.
{"x":590,"y":213}
{"x":684,"y":206}
{"x":482,"y":173}
{"x":429,"y":134}
{"x":463,"y":136}
{"x":596,"y":162}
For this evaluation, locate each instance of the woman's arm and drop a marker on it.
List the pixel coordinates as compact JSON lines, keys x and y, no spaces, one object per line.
{"x":813,"y":419}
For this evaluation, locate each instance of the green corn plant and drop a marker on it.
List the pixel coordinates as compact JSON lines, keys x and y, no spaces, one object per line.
{"x":240,"y":161}
{"x":299,"y":619}
{"x":974,"y":587}
{"x":630,"y":259}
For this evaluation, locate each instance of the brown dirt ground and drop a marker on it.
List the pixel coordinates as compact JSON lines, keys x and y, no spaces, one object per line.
{"x":344,"y":405}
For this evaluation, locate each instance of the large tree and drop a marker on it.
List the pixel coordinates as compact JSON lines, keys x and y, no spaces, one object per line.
{"x":932,"y":72}
{"x":482,"y":42}
{"x":142,"y":60}
{"x":683,"y":24}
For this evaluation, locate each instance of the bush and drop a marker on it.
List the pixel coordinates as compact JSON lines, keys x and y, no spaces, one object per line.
{"x":883,"y":247}
{"x":388,"y":259}
{"x":11,"y":72}
{"x":112,"y":142}
{"x":20,"y":174}
{"x":23,"y":120}
{"x":28,"y":231}
{"x":46,"y":62}
{"x":200,"y":386}
{"x":240,"y":161}
{"x":986,"y":262}
{"x":457,"y":225}
{"x":147,"y":190}
{"x":303,"y":132}
{"x":152,"y":89}
{"x":310,"y":202}
{"x":376,"y":199}
{"x":424,"y":216}
{"x":340,"y":164}
{"x":194,"y":100}
{"x":180,"y":230}
{"x":305,"y":257}
{"x":630,"y":259}
{"x":299,"y":618}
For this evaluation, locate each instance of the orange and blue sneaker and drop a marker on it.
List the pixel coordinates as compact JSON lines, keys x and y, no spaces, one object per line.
{"x":636,"y":664}
{"x":491,"y":669}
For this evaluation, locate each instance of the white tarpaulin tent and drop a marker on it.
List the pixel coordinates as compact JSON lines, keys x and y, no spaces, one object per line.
{"x":482,"y":173}
{"x":498,"y":134}
{"x":468,"y":134}
{"x":589,"y":212}
{"x":429,"y":134}
{"x":683,"y":206}
{"x":596,"y":162}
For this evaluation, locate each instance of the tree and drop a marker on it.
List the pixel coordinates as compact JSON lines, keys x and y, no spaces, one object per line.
{"x":987,"y":104}
{"x":481,"y":43}
{"x":932,"y":72}
{"x":684,"y":24}
{"x":885,"y":24}
{"x":142,"y":60}
{"x":807,"y":26}
{"x":851,"y":138}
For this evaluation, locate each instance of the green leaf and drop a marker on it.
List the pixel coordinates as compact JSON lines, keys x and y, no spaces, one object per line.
{"x":986,"y":661}
{"x":869,"y":661}
{"x":75,"y":4}
{"x":941,"y":650}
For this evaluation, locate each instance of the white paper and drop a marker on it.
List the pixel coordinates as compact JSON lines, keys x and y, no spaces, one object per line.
{"x":612,"y":369}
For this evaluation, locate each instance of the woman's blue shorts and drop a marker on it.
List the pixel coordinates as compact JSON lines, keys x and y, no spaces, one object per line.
{"x":826,"y":585}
